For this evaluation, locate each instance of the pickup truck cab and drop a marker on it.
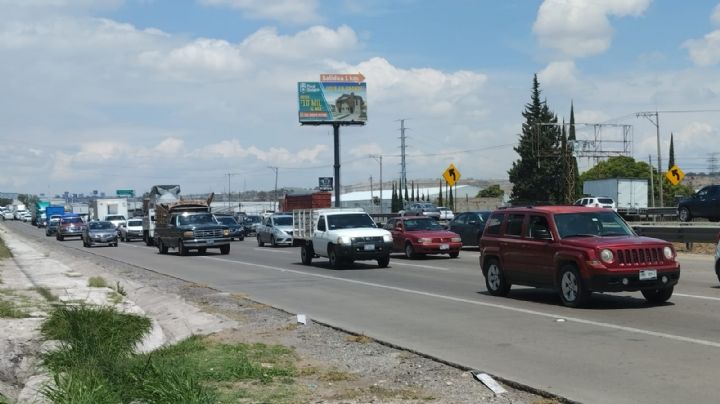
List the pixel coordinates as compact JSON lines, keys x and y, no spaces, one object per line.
{"x":576,"y":250}
{"x":192,"y":230}
{"x":341,"y":235}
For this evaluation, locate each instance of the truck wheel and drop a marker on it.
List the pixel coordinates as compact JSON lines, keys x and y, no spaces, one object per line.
{"x":335,"y":261}
{"x":225,"y":250}
{"x":384,"y":261}
{"x":202,"y":250}
{"x":182,"y":250}
{"x":684,"y":214}
{"x":572,"y":290}
{"x":409,"y":251}
{"x":657,"y":296}
{"x":306,"y":254}
{"x":260,"y":243}
{"x":454,"y":254}
{"x":60,"y":238}
{"x":162,"y":248}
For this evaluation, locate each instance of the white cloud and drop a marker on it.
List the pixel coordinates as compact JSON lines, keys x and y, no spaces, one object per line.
{"x":293,"y":11}
{"x":200,"y":55}
{"x":317,"y":41}
{"x":715,"y":17}
{"x":706,"y":51}
{"x":580,"y":28}
{"x":563,"y":73}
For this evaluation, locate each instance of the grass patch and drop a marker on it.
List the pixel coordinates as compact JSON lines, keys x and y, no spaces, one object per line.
{"x":97,"y":282}
{"x":45,"y":292}
{"x":96,"y":364}
{"x":9,"y":309}
{"x":4,"y":251}
{"x":334,"y":375}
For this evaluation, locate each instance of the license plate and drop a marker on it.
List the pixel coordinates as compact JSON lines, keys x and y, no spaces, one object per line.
{"x":444,"y":247}
{"x":210,"y":241}
{"x":369,"y":247}
{"x":648,"y":274}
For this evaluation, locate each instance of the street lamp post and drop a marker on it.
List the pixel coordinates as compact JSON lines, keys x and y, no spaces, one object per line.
{"x":275,"y":194}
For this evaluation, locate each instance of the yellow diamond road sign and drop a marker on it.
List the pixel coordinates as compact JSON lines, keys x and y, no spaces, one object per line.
{"x":451,"y":175}
{"x":675,"y":175}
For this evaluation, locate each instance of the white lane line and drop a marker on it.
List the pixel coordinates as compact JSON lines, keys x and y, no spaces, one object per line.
{"x":485,"y":304}
{"x":717,"y":299}
{"x":272,"y":250}
{"x":396,"y":262}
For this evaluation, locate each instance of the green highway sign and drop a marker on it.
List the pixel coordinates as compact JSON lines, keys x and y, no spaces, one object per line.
{"x":128,"y":193}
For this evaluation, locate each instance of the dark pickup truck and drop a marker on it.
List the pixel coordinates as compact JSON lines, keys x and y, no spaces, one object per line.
{"x":187,"y":229}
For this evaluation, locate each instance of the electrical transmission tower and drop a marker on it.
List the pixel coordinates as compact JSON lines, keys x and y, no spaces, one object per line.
{"x":403,"y":167}
{"x":712,"y":161}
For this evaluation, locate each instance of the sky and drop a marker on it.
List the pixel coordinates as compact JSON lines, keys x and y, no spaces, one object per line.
{"x":126,"y":94}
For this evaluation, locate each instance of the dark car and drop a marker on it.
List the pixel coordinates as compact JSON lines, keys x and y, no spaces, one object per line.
{"x":237,"y":231}
{"x":419,"y":235}
{"x":52,"y":225}
{"x":470,"y":226}
{"x":717,"y":258}
{"x":186,"y":230}
{"x":704,"y":203}
{"x":251,"y":224}
{"x":575,"y":250}
{"x":100,"y":233}
{"x":70,"y":226}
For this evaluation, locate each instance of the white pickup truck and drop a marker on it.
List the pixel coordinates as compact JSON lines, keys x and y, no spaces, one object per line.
{"x":341,"y":235}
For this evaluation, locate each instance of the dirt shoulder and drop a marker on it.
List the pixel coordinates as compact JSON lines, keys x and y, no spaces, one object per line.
{"x":332,"y":366}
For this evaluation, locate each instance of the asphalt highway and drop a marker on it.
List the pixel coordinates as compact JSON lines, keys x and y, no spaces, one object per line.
{"x":619,"y":349}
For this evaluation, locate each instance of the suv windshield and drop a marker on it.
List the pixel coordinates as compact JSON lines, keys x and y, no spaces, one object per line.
{"x":422,"y":224}
{"x":200,"y":218}
{"x":132,"y":223}
{"x":283,"y":220}
{"x":350,"y":221}
{"x":72,"y":219}
{"x":230,"y":221}
{"x":589,"y":224}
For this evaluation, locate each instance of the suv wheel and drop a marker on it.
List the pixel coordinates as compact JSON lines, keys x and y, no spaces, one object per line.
{"x":182,"y":250}
{"x":684,"y":214}
{"x":572,"y":291}
{"x":495,"y":280}
{"x":657,"y":296}
{"x":272,"y":241}
{"x":225,"y":250}
{"x":260,"y":243}
{"x":384,"y":261}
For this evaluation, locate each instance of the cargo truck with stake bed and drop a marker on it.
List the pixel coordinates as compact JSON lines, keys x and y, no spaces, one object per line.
{"x":341,"y":235}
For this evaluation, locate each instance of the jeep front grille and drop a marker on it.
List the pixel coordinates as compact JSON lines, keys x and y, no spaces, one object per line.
{"x":208,"y":233}
{"x":639,"y":256}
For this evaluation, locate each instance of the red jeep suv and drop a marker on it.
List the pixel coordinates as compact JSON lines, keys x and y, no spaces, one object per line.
{"x":575,"y":250}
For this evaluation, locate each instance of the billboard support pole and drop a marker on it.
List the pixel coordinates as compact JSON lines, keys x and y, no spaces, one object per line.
{"x":336,"y":139}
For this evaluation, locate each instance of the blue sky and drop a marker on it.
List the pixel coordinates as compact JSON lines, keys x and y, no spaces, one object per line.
{"x":116,"y":94}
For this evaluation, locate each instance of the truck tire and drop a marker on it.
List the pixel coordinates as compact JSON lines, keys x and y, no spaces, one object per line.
{"x":225,"y":250}
{"x":335,"y":261}
{"x":202,"y":250}
{"x":384,"y":261}
{"x":306,"y":254}
{"x":162,"y":248}
{"x":148,"y":240}
{"x":182,"y":250}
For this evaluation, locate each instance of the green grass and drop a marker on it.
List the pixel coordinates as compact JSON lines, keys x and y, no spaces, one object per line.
{"x":9,"y":309}
{"x":96,"y":364}
{"x":97,"y":282}
{"x":4,"y":251}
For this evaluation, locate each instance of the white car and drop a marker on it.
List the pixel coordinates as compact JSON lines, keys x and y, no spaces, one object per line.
{"x":597,"y":202}
{"x":8,"y":215}
{"x":133,"y":229}
{"x":26,"y":217}
{"x":117,"y":220}
{"x":446,"y":213}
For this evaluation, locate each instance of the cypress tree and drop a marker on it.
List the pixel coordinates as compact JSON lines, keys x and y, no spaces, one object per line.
{"x":534,"y":176}
{"x":577,"y":192}
{"x":671,"y":159}
{"x":440,"y":195}
{"x":451,"y":201}
{"x":392,"y":198}
{"x":412,"y":194}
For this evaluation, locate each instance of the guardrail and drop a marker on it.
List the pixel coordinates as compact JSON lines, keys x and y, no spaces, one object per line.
{"x":680,"y":233}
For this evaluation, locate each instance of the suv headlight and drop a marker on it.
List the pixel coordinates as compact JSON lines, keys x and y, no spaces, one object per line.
{"x":226,"y":232}
{"x":387,"y":238}
{"x":456,"y":239}
{"x":606,"y":256}
{"x":188,"y":234}
{"x":344,"y":240}
{"x":668,"y":253}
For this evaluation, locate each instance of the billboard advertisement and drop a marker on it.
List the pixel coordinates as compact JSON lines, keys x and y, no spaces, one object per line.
{"x":332,"y":102}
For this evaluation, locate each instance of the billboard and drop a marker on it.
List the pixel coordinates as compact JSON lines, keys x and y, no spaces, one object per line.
{"x":332,"y":102}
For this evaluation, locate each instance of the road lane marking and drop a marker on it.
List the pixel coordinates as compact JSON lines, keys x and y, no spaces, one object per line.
{"x":272,"y":250}
{"x":673,"y":337}
{"x":395,"y":262}
{"x":698,"y":297}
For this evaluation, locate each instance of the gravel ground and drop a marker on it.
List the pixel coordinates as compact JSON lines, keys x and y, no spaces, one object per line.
{"x":334,"y":366}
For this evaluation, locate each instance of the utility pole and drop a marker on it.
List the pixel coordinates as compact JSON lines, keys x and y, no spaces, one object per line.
{"x":652,"y":181}
{"x":228,"y":196}
{"x":276,"y":177}
{"x":371,"y":191}
{"x":656,"y":122}
{"x":403,"y":167}
{"x":378,"y":157}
